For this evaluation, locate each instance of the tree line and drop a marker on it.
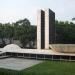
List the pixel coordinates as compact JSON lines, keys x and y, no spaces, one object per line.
{"x":23,"y":31}
{"x":65,"y":32}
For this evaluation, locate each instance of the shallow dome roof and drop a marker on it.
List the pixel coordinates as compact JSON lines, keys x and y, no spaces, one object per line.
{"x":11,"y":47}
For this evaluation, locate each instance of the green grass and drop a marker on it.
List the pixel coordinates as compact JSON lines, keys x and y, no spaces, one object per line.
{"x":45,"y":68}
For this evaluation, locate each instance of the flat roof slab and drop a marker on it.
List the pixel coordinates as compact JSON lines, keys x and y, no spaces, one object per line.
{"x":17,"y":63}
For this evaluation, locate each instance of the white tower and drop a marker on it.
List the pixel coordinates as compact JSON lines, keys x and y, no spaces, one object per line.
{"x":49,"y":28}
{"x":40,"y":30}
{"x":45,"y":28}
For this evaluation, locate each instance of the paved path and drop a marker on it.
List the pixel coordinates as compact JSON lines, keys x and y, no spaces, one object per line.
{"x":17,"y":63}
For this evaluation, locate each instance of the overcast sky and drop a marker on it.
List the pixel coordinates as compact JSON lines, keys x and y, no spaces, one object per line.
{"x":13,"y":10}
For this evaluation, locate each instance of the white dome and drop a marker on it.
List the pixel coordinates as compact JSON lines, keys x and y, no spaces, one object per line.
{"x":11,"y":47}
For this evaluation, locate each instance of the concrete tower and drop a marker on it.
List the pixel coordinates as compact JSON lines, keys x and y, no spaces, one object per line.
{"x":49,"y":28}
{"x":45,"y":28}
{"x":41,"y":30}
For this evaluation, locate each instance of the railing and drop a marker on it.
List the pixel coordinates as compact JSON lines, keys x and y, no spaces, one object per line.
{"x":41,"y":56}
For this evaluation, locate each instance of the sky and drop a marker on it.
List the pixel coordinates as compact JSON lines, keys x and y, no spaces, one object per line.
{"x":13,"y":10}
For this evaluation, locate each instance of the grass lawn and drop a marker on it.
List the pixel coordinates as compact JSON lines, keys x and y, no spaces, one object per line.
{"x":45,"y":68}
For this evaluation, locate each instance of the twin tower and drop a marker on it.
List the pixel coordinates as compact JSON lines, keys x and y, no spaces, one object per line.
{"x":45,"y":28}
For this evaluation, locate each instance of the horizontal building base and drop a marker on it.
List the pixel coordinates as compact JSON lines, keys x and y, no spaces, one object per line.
{"x":41,"y":56}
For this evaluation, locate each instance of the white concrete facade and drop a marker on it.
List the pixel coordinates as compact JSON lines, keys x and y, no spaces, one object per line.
{"x":47,"y":29}
{"x":39,"y":29}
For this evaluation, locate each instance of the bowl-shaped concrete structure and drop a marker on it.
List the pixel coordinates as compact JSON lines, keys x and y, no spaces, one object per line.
{"x":63,"y":48}
{"x":11,"y":47}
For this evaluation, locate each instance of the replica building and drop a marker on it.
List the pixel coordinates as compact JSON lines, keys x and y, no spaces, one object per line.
{"x":45,"y":39}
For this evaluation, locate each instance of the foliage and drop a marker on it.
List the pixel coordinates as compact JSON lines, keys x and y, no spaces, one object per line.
{"x":20,"y":30}
{"x":23,"y":31}
{"x":65,"y":32}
